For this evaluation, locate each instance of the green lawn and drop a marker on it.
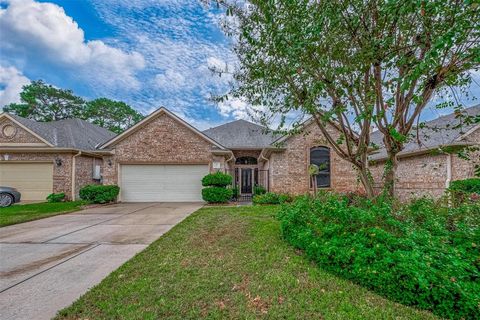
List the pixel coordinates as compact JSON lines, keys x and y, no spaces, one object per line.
{"x":229,"y":263}
{"x":28,"y":212}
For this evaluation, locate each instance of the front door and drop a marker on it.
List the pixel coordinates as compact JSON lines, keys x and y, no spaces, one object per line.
{"x":246,"y":180}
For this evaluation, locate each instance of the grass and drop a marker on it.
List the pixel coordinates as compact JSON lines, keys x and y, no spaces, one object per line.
{"x":229,"y":263}
{"x":27,"y":212}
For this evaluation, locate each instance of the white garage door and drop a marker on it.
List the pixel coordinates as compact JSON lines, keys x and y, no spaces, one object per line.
{"x":166,"y":183}
{"x":33,"y":180}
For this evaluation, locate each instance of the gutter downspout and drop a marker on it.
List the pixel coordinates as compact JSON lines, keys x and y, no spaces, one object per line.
{"x":449,"y":171}
{"x":74,"y":174}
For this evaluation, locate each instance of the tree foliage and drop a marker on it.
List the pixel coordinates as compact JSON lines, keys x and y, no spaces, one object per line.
{"x":353,"y":65}
{"x":116,"y":116}
{"x":44,"y":102}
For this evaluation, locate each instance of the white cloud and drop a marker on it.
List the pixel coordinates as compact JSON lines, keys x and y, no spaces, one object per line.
{"x":236,"y":107}
{"x":170,"y":79}
{"x":34,"y":30}
{"x":12,"y":80}
{"x":180,"y":45}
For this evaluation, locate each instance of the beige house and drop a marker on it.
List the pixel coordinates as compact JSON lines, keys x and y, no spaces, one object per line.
{"x":41,"y":158}
{"x":163,"y":158}
{"x":428,"y":163}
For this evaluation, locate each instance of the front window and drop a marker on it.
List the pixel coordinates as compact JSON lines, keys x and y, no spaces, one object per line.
{"x":320,"y":156}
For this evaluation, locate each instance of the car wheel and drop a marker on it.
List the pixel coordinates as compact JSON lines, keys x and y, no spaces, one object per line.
{"x":5,"y":200}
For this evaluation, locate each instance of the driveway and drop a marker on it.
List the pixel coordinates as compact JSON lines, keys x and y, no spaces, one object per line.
{"x":47,"y":264}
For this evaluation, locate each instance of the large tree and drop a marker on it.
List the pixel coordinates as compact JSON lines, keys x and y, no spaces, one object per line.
{"x":113,"y":115}
{"x":44,"y":102}
{"x":353,"y":64}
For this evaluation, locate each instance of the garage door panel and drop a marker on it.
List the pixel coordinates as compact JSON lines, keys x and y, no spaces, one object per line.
{"x":162,"y":182}
{"x":33,"y":180}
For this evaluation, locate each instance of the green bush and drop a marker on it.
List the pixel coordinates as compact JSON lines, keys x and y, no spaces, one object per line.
{"x":464,"y":190}
{"x":258,"y":189}
{"x":235,"y":192}
{"x":271,"y":198}
{"x":421,"y":254}
{"x":217,"y":179}
{"x":99,"y":194}
{"x":467,"y":186}
{"x":216,"y":194}
{"x":56,"y":197}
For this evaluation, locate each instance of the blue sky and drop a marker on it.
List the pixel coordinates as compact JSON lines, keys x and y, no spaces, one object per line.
{"x":148,"y":53}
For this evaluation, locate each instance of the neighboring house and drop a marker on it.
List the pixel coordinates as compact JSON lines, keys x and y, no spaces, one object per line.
{"x":428,"y":164}
{"x":163,"y":158}
{"x":40,"y":158}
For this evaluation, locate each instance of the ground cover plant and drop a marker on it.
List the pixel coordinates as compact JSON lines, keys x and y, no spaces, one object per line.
{"x":271,"y":198}
{"x":423,"y":254}
{"x":34,"y":211}
{"x":229,"y":263}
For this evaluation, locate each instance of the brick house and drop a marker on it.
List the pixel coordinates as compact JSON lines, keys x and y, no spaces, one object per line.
{"x":163,"y":158}
{"x":425,"y":166}
{"x":41,"y":158}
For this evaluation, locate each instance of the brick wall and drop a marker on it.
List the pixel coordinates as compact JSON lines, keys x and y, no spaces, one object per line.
{"x":463,"y":169}
{"x":289,"y":169}
{"x":21,"y":135}
{"x":84,"y":171}
{"x":163,"y":140}
{"x":426,"y":175}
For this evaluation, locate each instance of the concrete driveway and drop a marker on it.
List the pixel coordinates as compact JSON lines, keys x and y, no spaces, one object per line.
{"x":47,"y":264}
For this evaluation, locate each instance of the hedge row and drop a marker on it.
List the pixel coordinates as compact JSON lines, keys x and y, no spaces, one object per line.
{"x":99,"y":194}
{"x":421,"y":254}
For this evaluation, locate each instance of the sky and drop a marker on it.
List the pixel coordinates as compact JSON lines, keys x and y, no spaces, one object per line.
{"x":147,"y":53}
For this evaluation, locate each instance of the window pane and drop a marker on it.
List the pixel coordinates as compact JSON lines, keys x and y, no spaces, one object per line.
{"x":321,"y":157}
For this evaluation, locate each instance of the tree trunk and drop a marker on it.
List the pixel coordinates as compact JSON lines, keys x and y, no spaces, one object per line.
{"x":366,"y":180}
{"x":390,"y":173}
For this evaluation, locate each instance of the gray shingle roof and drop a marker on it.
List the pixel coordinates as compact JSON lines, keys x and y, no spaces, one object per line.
{"x":442,"y":131}
{"x":241,"y":134}
{"x":68,"y":133}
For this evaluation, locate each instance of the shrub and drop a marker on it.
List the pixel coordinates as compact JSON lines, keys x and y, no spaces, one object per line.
{"x":271,"y":198}
{"x":56,"y":197}
{"x":99,"y":194}
{"x":258,"y":189}
{"x":421,"y":254}
{"x":468,"y":185}
{"x":216,"y":194}
{"x":462,"y":190}
{"x":235,"y":192}
{"x":217,"y":179}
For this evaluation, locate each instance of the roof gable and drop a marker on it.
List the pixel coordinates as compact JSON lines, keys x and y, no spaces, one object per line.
{"x":27,"y":125}
{"x":67,"y":133}
{"x":151,"y":117}
{"x":241,"y":134}
{"x":443,"y":131}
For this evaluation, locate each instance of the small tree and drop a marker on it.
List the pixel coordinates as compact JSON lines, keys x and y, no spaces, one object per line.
{"x":216,"y":190}
{"x":353,"y":65}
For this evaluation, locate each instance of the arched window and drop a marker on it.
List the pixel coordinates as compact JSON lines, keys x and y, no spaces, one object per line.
{"x":246,"y":160}
{"x":320,"y":156}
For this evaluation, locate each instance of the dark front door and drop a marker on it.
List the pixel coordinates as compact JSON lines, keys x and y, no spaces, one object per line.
{"x":246,"y":180}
